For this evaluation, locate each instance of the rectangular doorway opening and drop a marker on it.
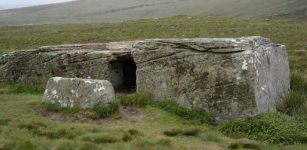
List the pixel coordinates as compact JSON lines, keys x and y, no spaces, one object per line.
{"x":123,"y":75}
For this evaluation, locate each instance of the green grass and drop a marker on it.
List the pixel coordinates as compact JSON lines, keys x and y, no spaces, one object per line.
{"x":97,"y":112}
{"x":267,"y":127}
{"x":273,"y":128}
{"x":143,"y":100}
{"x":296,"y":102}
{"x":291,"y":34}
{"x":118,"y":10}
{"x":178,"y":132}
{"x":99,"y":139}
{"x":6,"y":88}
{"x":155,"y":145}
{"x":22,"y":127}
{"x":137,"y":100}
{"x":104,"y":111}
{"x":134,"y":132}
{"x":174,"y":108}
{"x":131,"y":135}
{"x":140,"y":100}
{"x":246,"y":144}
{"x":287,"y":128}
{"x":162,"y":129}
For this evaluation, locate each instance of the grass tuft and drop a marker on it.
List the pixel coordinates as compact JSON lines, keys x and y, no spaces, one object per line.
{"x":234,"y":146}
{"x":245,"y":144}
{"x":134,"y":132}
{"x":155,"y":145}
{"x":100,"y":139}
{"x":65,"y":145}
{"x":5,"y":121}
{"x":173,"y":132}
{"x":212,"y":138}
{"x":127,"y":137}
{"x":136,"y":100}
{"x":7,"y":144}
{"x":179,"y":132}
{"x":174,"y":108}
{"x":42,"y":130}
{"x":275,"y":127}
{"x":269,"y":127}
{"x":17,"y":145}
{"x":57,"y":133}
{"x":8,"y":88}
{"x":97,"y":112}
{"x":295,"y":102}
{"x":106,"y":110}
{"x":25,"y":145}
{"x":32,"y":125}
{"x":130,"y":135}
{"x":191,"y":132}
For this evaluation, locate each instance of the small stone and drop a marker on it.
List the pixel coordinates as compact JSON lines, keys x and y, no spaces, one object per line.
{"x":84,"y":93}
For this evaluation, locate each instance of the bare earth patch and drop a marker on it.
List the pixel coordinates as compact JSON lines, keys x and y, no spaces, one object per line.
{"x":127,"y":113}
{"x":131,"y":113}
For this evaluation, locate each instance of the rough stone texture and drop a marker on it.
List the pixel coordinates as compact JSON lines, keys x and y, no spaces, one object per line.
{"x":230,"y":78}
{"x":34,"y":67}
{"x":85,"y":93}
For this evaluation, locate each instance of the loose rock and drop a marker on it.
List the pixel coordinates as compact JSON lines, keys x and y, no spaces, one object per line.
{"x":84,"y":93}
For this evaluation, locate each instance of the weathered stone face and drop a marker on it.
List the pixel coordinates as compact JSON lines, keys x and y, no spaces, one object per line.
{"x":230,"y":78}
{"x":90,"y":61}
{"x":84,"y":93}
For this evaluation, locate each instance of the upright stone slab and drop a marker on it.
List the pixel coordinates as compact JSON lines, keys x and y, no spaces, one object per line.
{"x":85,"y":93}
{"x":229,"y":78}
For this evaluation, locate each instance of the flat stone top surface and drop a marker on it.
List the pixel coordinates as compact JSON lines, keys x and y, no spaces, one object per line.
{"x":217,"y":45}
{"x":112,"y":46}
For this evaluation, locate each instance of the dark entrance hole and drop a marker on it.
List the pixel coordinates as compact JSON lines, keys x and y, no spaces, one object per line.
{"x":123,"y":75}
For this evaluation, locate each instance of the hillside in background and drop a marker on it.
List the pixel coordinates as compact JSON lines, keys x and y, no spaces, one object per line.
{"x":27,"y":123}
{"x":84,"y":11}
{"x":291,"y":34}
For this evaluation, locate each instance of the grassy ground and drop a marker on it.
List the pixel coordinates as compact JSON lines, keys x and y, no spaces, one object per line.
{"x":292,"y":34}
{"x":22,"y":128}
{"x":165,"y":127}
{"x":84,"y":11}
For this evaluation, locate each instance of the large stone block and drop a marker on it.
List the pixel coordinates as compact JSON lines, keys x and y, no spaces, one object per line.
{"x":84,"y":93}
{"x":229,"y":78}
{"x":34,"y":67}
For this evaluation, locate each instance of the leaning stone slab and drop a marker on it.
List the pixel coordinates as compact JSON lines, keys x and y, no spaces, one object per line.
{"x":85,"y":93}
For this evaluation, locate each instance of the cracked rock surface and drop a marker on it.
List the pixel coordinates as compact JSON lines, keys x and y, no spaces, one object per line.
{"x":84,"y":93}
{"x":229,"y":78}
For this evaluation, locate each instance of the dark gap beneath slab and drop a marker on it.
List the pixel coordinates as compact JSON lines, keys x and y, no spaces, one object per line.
{"x":123,"y":75}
